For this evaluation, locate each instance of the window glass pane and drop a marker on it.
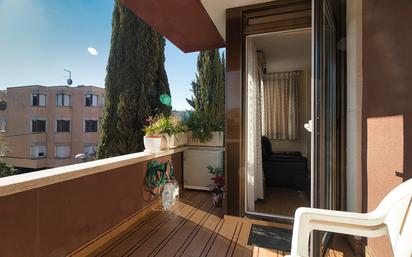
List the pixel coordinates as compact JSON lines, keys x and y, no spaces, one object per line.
{"x":38,"y":151}
{"x":59,"y":100}
{"x":91,"y":126}
{"x":94,"y":100}
{"x":90,"y":149}
{"x":63,"y":151}
{"x":3,"y":125}
{"x":38,"y":126}
{"x":63,"y":126}
{"x":102,"y":101}
{"x":35,"y":100}
{"x":88,"y":100}
{"x":67,"y":100}
{"x":42,"y":100}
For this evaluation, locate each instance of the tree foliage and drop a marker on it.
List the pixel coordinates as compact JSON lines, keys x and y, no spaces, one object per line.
{"x":208,"y":88}
{"x":135,"y":79}
{"x":5,"y":168}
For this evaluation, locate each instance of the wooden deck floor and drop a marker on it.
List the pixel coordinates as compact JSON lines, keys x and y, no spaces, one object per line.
{"x":193,"y":227}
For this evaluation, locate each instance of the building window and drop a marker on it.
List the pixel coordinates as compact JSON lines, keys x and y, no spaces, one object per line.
{"x":91,"y":100}
{"x":63,"y":100}
{"x":38,"y":100}
{"x":90,"y":126}
{"x":63,"y":126}
{"x":63,"y":151}
{"x":3,"y":125}
{"x":102,"y":100}
{"x":90,"y":149}
{"x":38,"y":151}
{"x":38,"y":125}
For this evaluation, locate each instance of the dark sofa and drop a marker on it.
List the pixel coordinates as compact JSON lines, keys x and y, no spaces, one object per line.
{"x":283,"y":169}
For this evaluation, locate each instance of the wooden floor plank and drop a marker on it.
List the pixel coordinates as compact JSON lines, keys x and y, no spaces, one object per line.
{"x":142,"y":231}
{"x":184,"y":233}
{"x":196,"y":245}
{"x":145,"y":246}
{"x":224,"y":239}
{"x":242,"y":248}
{"x":192,"y":228}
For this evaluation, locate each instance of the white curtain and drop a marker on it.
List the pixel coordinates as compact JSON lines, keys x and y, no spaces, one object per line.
{"x":280,"y":108}
{"x":254,"y":171}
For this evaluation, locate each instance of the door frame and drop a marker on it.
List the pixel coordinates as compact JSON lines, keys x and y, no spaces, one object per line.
{"x":335,"y":12}
{"x":267,"y":216}
{"x":241,"y":22}
{"x":237,"y":28}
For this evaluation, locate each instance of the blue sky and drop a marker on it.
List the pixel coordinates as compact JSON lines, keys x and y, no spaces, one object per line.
{"x":41,"y":38}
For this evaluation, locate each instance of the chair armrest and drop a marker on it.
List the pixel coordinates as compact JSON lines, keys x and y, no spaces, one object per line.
{"x":309,"y":219}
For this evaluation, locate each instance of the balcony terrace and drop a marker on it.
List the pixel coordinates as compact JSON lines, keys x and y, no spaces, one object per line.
{"x":101,"y":208}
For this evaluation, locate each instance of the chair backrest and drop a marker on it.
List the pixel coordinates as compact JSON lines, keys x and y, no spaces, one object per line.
{"x":396,"y":208}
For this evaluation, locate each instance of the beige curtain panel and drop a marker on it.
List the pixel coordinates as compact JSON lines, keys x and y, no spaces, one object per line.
{"x":280,"y":105}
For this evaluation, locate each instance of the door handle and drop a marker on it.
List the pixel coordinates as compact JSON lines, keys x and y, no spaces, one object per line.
{"x":309,"y":126}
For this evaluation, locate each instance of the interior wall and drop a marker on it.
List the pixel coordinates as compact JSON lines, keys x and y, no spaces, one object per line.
{"x":302,"y":144}
{"x":386,"y":103}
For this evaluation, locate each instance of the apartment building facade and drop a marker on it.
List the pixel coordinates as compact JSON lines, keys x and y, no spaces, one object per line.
{"x":47,"y":127}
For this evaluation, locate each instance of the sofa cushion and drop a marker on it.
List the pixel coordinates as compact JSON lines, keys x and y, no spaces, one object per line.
{"x":289,"y":153}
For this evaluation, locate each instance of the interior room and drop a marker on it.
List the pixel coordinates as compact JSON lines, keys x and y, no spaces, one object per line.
{"x":278,"y":107}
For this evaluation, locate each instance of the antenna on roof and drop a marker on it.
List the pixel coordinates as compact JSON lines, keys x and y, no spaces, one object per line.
{"x":69,"y":79}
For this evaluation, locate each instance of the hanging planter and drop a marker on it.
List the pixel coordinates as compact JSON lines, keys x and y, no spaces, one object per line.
{"x":152,"y":143}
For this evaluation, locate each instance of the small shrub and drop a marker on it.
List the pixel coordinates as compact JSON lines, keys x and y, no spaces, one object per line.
{"x":6,"y":169}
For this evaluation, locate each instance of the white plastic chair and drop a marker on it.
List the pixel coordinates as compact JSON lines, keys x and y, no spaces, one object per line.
{"x":393,"y":217}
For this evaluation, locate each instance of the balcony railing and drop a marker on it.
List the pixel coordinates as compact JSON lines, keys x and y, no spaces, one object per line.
{"x":54,"y":212}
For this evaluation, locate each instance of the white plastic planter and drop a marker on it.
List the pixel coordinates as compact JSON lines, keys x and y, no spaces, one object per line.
{"x":152,"y":143}
{"x":176,"y":140}
{"x":216,"y":140}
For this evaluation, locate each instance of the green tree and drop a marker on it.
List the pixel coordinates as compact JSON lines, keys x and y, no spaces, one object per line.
{"x":135,"y":80}
{"x":5,"y":168}
{"x":209,"y":88}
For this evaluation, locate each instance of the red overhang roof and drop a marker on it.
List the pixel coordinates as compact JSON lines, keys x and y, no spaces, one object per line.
{"x":183,"y":22}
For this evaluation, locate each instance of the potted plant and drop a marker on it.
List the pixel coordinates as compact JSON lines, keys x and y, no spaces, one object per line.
{"x":219,"y":183}
{"x":203,"y":131}
{"x":168,"y":130}
{"x":152,"y":140}
{"x":173,"y":131}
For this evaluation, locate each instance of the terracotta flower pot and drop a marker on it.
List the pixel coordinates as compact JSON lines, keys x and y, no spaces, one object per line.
{"x":152,"y":143}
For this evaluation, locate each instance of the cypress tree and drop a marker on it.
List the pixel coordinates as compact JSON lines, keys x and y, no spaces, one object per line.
{"x":208,"y":88}
{"x":135,"y":79}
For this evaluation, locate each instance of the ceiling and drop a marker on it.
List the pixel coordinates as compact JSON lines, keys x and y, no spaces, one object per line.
{"x":286,"y":51}
{"x":217,"y":11}
{"x":191,"y":25}
{"x":184,"y":22}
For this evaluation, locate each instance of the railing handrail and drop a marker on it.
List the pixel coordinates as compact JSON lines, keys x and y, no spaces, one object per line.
{"x":24,"y":182}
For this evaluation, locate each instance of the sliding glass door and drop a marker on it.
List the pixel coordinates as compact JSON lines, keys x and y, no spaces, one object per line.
{"x":327,"y":114}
